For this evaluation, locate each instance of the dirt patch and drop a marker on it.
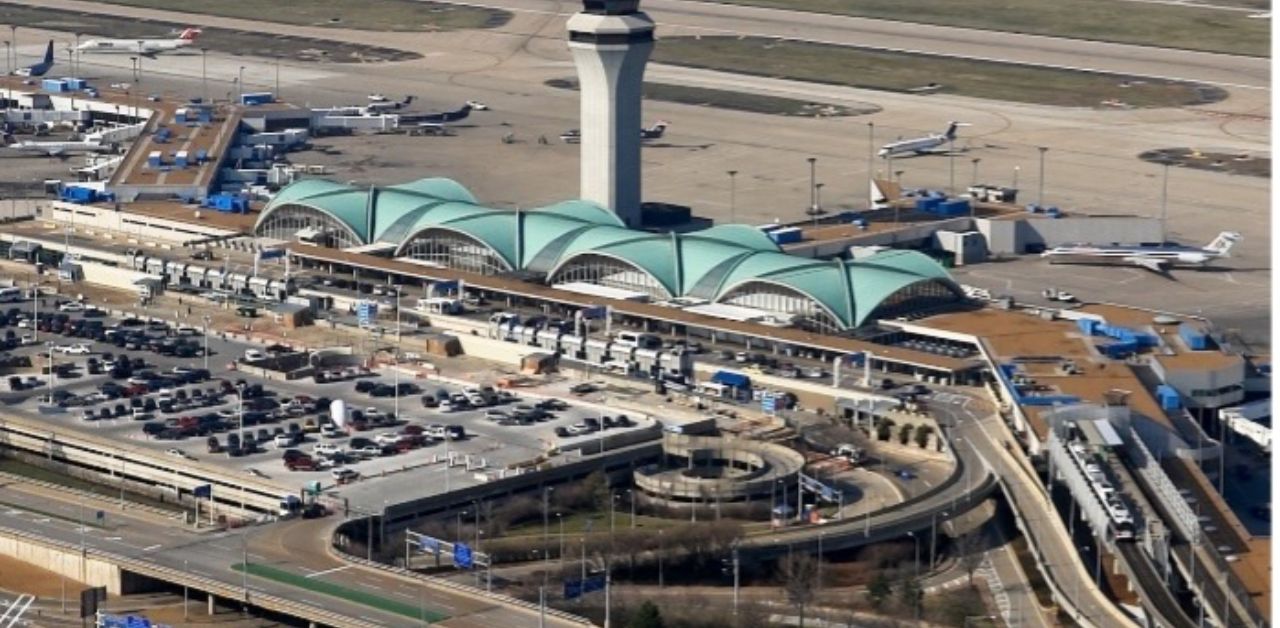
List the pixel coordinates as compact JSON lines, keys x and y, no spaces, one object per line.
{"x":1244,"y":163}
{"x":239,"y":43}
{"x":19,"y":577}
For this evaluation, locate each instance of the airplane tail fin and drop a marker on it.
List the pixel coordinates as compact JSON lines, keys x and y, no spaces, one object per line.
{"x":408,"y":100}
{"x":48,"y":53}
{"x":190,"y":34}
{"x":1222,"y":244}
{"x":951,"y":130}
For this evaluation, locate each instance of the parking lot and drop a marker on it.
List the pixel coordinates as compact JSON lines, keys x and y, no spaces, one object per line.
{"x":154,"y":392}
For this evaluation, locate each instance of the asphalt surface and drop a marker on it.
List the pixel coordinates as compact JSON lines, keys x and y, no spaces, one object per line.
{"x":385,"y":480}
{"x":294,"y":546}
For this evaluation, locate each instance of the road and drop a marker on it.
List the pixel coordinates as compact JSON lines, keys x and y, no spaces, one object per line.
{"x":975,"y":424}
{"x":297,"y":547}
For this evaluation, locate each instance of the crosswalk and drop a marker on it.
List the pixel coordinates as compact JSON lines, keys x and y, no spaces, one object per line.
{"x":988,"y":572}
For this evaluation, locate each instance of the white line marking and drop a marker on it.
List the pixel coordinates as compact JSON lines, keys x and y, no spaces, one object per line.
{"x":152,"y":547}
{"x":334,"y":570}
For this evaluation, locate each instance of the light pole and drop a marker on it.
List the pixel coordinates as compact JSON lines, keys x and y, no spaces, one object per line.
{"x":632,"y":492}
{"x":240,"y":84}
{"x":204,"y":75}
{"x":813,"y":180}
{"x":560,"y":522}
{"x":1043,"y":150}
{"x":933,"y":539}
{"x":75,"y":63}
{"x":1016,"y":171}
{"x":871,"y":159}
{"x":733,"y":205}
{"x":546,"y":521}
{"x":277,"y":94}
{"x":1164,"y":205}
{"x":661,"y":548}
{"x":206,"y":342}
{"x":817,"y":206}
{"x":951,"y":163}
{"x":975,"y":161}
{"x":8,"y":69}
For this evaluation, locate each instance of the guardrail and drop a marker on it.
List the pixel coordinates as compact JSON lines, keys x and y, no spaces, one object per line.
{"x":210,"y":585}
{"x":167,"y":514}
{"x":462,"y":589}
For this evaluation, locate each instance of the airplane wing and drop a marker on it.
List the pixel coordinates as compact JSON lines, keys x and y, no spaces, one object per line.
{"x":1153,"y":265}
{"x":54,"y":152}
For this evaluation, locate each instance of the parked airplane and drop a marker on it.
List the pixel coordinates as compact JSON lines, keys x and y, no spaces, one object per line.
{"x":1154,"y":258}
{"x":574,"y":136}
{"x":41,"y":68}
{"x":55,"y":148}
{"x":384,"y":105}
{"x":921,"y":145}
{"x":144,"y":47}
{"x":440,"y":118}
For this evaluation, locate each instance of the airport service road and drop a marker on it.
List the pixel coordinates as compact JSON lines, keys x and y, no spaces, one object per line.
{"x":385,"y":480}
{"x":291,"y":546}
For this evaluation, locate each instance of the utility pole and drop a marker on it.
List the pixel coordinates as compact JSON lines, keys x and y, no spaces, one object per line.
{"x":735,"y":578}
{"x":817,"y":205}
{"x":975,"y":161}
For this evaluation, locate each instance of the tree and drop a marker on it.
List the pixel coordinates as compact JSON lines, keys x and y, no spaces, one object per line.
{"x":904,"y":434}
{"x":879,"y":590}
{"x":922,"y":437}
{"x":969,"y":549}
{"x":884,"y":431}
{"x":647,"y":616}
{"x":799,"y":575}
{"x":910,"y":595}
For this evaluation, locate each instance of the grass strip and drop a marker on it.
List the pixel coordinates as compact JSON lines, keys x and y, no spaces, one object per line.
{"x":928,"y":74}
{"x":373,"y":15}
{"x":1162,"y":24}
{"x":343,"y":593}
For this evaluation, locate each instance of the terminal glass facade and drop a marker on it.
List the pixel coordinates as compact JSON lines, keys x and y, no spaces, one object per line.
{"x":808,"y":314}
{"x":285,"y":223}
{"x":451,"y":249}
{"x":612,"y":272}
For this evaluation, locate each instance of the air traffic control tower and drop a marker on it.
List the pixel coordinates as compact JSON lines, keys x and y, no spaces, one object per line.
{"x":611,"y":41}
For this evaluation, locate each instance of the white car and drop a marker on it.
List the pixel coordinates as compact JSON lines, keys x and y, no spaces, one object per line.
{"x":76,"y":349}
{"x":387,"y":438}
{"x":187,"y":331}
{"x":326,"y":449}
{"x":255,"y":473}
{"x":344,"y":474}
{"x":71,"y":306}
{"x":283,"y":441}
{"x":477,"y":105}
{"x":251,"y":355}
{"x":25,"y":324}
{"x":177,"y":453}
{"x":330,"y":431}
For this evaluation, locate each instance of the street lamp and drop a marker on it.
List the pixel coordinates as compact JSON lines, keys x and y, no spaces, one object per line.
{"x":817,"y":205}
{"x":951,"y":163}
{"x":240,"y":84}
{"x":733,"y":205}
{"x":204,"y":75}
{"x":975,"y":161}
{"x":206,"y":342}
{"x":1164,"y":204}
{"x":1043,"y":150}
{"x":871,"y":157}
{"x":813,"y":180}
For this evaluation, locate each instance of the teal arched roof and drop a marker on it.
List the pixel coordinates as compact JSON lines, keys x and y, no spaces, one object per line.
{"x":708,"y":264}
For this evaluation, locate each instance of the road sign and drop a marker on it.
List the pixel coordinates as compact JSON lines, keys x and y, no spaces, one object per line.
{"x":366,"y":311}
{"x":428,"y":544}
{"x":270,"y":253}
{"x":203,"y":490}
{"x":577,"y":588}
{"x":769,"y":402}
{"x":572,"y":589}
{"x":462,"y":556}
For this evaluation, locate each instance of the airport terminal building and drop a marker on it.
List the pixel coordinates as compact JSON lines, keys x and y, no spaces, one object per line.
{"x":578,"y":246}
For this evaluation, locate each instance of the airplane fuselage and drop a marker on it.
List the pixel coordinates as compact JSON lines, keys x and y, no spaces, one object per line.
{"x":1168,"y":257}
{"x":919,"y":145}
{"x":132,"y":46}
